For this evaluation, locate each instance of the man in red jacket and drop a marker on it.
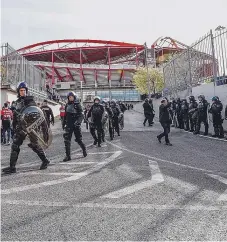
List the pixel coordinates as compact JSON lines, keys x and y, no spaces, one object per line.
{"x":6,"y":117}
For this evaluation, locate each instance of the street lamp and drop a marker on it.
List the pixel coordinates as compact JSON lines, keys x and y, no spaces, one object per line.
{"x":220,"y":28}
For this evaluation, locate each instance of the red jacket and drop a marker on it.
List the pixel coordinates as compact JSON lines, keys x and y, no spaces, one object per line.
{"x":62,"y":111}
{"x":6,"y":114}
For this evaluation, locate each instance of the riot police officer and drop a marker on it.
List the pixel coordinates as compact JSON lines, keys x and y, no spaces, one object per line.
{"x":22,"y":102}
{"x":179,"y":114}
{"x":108,"y":109}
{"x":202,"y":115}
{"x":116,"y":113}
{"x":216,"y":109}
{"x":96,"y":114}
{"x":148,"y":112}
{"x":191,"y":112}
{"x":72,"y":124}
{"x":184,"y":113}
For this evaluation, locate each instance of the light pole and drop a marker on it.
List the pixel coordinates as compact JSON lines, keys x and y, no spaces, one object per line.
{"x":220,"y":28}
{"x":148,"y":78}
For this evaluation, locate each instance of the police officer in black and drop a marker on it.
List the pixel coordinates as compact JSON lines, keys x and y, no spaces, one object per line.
{"x":22,"y":102}
{"x":192,"y":112}
{"x":216,"y":109}
{"x":72,"y":124}
{"x":116,"y":113}
{"x":148,"y":112}
{"x":96,"y":115}
{"x":48,"y":113}
{"x":184,"y":113}
{"x":108,"y":109}
{"x":179,"y":114}
{"x":202,"y":115}
{"x":165,"y":120}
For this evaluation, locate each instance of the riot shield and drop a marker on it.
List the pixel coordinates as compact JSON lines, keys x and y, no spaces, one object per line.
{"x":33,"y":123}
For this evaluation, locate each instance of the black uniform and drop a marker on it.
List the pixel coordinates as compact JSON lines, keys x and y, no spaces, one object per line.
{"x":192,"y":114}
{"x":122,"y":107}
{"x":20,"y":135}
{"x":72,"y":124}
{"x":48,"y":114}
{"x":109,"y":111}
{"x":216,"y":109}
{"x":96,"y":113}
{"x":202,"y":116}
{"x":165,"y":120}
{"x":179,"y":114}
{"x":148,"y":113}
{"x":116,"y":112}
{"x":184,"y":114}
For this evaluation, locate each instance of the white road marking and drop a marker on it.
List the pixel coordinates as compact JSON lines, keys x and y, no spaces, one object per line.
{"x":166,"y":161}
{"x":75,"y":177}
{"x":116,"y":206}
{"x":156,"y":177}
{"x":52,"y":173}
{"x":223,"y":196}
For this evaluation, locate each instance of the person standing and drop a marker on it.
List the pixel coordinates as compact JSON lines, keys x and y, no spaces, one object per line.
{"x":165,"y":120}
{"x":62,"y":113}
{"x":6,"y":117}
{"x":216,"y":109}
{"x":48,"y":113}
{"x":202,"y":115}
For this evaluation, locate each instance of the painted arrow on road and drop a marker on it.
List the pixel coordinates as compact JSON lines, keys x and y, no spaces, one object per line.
{"x":223,"y":196}
{"x":156,"y":177}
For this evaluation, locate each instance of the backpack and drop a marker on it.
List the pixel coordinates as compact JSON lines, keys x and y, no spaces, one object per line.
{"x":97,"y":112}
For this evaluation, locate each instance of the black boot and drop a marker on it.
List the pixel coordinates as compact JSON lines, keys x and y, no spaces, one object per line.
{"x":44,"y":164}
{"x":67,"y":152}
{"x":9,"y":170}
{"x":82,"y":145}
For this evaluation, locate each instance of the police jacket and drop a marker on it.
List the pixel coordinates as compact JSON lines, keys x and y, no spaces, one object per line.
{"x":73,"y":114}
{"x":48,"y":113}
{"x":147,"y":108}
{"x":202,"y":108}
{"x":96,"y":112}
{"x":164,"y":115}
{"x":20,"y":104}
{"x":192,"y":107}
{"x":216,"y":108}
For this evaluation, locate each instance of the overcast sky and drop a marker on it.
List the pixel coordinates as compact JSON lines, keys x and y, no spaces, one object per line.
{"x":25,"y":22}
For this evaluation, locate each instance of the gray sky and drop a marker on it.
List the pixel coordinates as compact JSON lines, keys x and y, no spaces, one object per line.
{"x":25,"y":22}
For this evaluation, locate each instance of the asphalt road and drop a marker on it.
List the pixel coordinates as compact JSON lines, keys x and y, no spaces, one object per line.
{"x":130,"y":189}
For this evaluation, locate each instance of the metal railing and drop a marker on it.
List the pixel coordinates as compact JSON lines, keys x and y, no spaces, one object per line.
{"x":204,"y":61}
{"x":15,"y":68}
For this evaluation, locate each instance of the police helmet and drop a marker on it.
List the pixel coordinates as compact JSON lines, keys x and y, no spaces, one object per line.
{"x":215,"y":99}
{"x":22,"y":85}
{"x":73,"y":94}
{"x":97,"y":98}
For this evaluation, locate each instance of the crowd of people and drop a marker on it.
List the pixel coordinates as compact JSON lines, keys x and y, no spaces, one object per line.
{"x":187,"y":114}
{"x":102,"y":117}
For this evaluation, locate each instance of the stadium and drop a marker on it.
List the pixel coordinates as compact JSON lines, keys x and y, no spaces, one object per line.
{"x":89,"y":67}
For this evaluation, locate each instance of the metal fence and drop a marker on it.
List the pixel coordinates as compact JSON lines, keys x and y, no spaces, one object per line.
{"x":15,"y":68}
{"x":204,"y":61}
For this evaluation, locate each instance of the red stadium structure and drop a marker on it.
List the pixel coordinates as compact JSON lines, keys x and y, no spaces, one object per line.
{"x":94,"y":62}
{"x":90,"y":63}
